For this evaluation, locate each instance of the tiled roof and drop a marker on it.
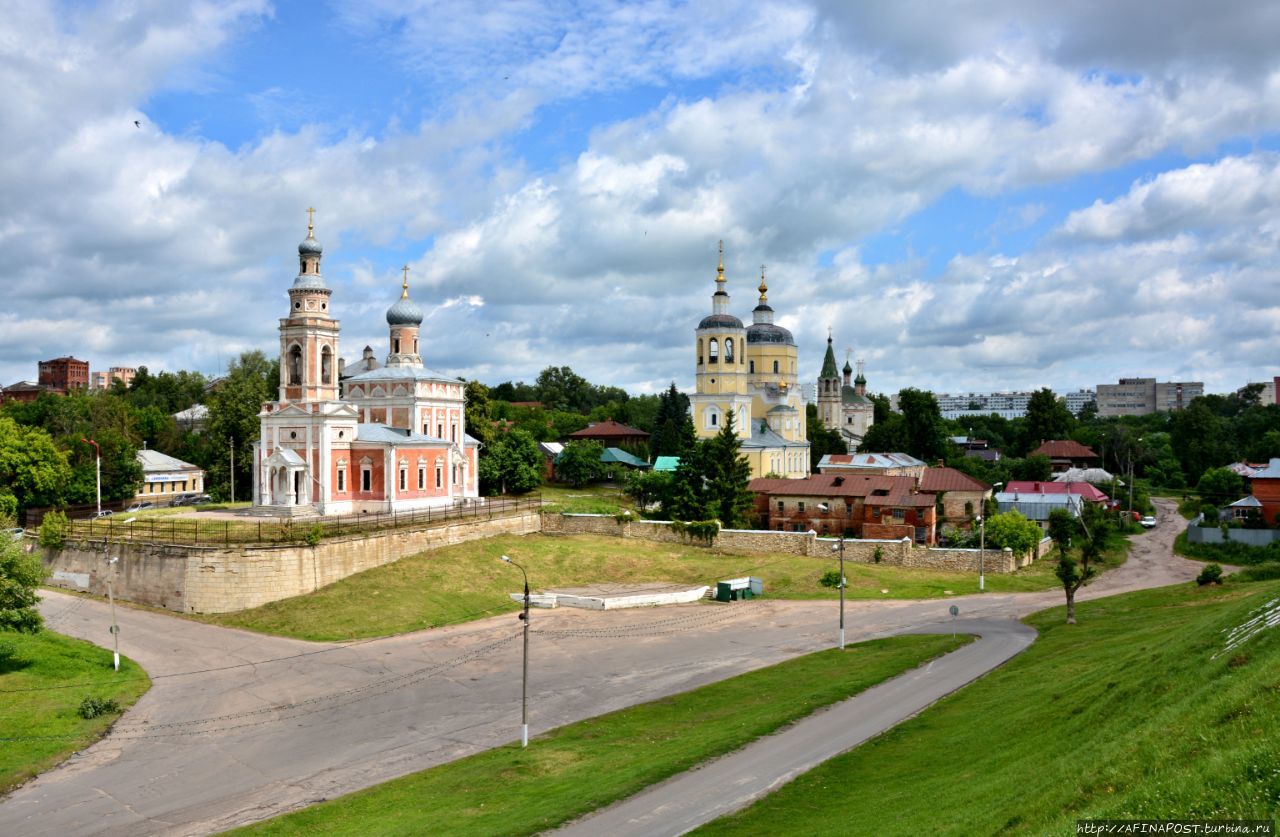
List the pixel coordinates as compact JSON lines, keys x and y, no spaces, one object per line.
{"x":832,"y":485}
{"x":1064,"y":449}
{"x":1081,"y":489}
{"x":920,"y":501}
{"x":949,"y":479}
{"x":606,"y":428}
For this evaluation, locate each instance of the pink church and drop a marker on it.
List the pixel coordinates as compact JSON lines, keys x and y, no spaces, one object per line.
{"x":394,"y":441}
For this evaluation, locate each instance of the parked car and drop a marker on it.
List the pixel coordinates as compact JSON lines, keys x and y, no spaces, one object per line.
{"x":16,"y":532}
{"x":199,"y":500}
{"x":142,"y":506}
{"x":103,"y":513}
{"x":1148,"y":522}
{"x":183,"y":499}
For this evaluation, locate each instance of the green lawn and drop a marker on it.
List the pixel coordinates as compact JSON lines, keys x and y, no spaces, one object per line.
{"x":584,"y":766}
{"x":590,"y":499}
{"x":1137,"y":712}
{"x":41,"y":688}
{"x":468,"y":581}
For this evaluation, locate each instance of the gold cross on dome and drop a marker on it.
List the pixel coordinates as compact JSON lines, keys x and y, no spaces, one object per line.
{"x":405,"y":293}
{"x":311,"y":217}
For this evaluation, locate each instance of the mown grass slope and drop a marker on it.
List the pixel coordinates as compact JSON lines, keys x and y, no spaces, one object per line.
{"x":468,"y":581}
{"x":1139,"y":711}
{"x":41,"y":688}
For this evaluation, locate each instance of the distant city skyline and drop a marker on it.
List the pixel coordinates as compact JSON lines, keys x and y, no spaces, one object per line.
{"x":1016,"y":195}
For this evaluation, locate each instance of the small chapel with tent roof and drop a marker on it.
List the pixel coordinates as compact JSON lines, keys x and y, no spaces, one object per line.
{"x":392,"y":439}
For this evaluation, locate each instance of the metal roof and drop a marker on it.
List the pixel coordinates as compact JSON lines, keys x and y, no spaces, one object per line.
{"x":1271,"y":472}
{"x":154,"y":460}
{"x":402,"y":373}
{"x":381,"y":433}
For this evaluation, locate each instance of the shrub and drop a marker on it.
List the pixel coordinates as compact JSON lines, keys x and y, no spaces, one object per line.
{"x":697,"y":530}
{"x":1211,"y":574}
{"x":54,"y":529}
{"x":92,"y":707}
{"x":831,"y":578}
{"x":878,"y":555}
{"x":1262,"y":572}
{"x":314,"y":535}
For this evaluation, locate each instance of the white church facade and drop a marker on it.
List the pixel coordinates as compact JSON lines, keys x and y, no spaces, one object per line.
{"x":395,"y":440}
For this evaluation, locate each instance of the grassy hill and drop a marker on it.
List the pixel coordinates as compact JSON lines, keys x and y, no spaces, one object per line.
{"x":468,"y":581}
{"x":1140,"y":711}
{"x":41,"y":689}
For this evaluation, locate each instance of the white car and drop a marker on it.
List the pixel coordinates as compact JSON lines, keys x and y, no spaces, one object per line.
{"x":1148,"y":522}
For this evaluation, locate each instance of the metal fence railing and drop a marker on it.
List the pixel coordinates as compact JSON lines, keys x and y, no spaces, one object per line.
{"x":196,"y":532}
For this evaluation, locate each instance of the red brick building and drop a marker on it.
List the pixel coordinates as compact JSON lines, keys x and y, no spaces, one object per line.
{"x":1266,"y":489}
{"x":63,"y":374}
{"x":962,"y":495}
{"x":856,"y":505}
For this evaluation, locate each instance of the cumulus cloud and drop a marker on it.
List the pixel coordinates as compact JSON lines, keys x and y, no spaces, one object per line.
{"x":794,"y":131}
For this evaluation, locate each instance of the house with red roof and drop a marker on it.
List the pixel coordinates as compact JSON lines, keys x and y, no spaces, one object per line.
{"x":1036,"y":500}
{"x":856,"y":505}
{"x":962,"y":496}
{"x":611,"y":434}
{"x":1067,"y":453}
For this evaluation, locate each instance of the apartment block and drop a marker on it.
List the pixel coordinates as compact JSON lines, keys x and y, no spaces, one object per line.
{"x":1142,"y":396}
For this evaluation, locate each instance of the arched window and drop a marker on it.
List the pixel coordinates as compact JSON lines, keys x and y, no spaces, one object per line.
{"x":775,"y":367}
{"x":326,"y":366}
{"x":415,"y":345}
{"x":699,"y":351}
{"x":295,"y":365}
{"x":713,"y":351}
{"x":751,"y":366}
{"x":395,"y":345}
{"x":728,"y":350}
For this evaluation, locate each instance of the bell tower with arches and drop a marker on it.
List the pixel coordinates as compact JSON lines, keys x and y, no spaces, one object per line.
{"x":309,"y":335}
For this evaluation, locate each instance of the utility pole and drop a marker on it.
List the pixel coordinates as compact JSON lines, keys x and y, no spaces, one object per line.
{"x":524,"y":686}
{"x":97,"y":470}
{"x":233,"y":469}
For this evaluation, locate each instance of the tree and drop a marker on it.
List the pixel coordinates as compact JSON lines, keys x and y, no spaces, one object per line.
{"x":888,"y":436}
{"x":476,"y":416}
{"x":513,"y":464}
{"x":21,"y":574}
{"x":1047,"y":418}
{"x":580,"y":463}
{"x":1075,"y":575}
{"x":1012,"y":531}
{"x":233,"y":419}
{"x":687,"y":499}
{"x":1198,"y":439}
{"x":1220,"y":486}
{"x":673,"y":432}
{"x":1033,"y":468}
{"x":728,"y":474}
{"x":648,"y":487}
{"x":925,"y":438}
{"x":32,"y":470}
{"x":821,"y":440}
{"x":560,"y":388}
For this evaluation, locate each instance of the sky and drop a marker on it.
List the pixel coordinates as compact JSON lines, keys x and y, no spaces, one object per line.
{"x":971,"y":196}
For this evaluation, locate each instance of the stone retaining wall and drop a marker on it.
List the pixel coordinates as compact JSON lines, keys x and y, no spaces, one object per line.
{"x":893,"y":552}
{"x":223,"y":579}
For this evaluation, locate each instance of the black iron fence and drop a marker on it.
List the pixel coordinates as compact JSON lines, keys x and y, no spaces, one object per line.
{"x":197,"y":532}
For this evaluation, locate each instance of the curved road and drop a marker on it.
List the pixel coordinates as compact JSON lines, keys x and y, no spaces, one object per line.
{"x":238,"y":727}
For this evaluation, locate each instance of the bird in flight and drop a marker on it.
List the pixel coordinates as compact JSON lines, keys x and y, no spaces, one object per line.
{"x":137,"y":124}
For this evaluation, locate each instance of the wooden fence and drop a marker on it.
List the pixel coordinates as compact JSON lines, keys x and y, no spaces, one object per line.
{"x":196,"y":532}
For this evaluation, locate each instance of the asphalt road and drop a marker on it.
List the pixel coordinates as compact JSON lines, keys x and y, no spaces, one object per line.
{"x":238,"y":727}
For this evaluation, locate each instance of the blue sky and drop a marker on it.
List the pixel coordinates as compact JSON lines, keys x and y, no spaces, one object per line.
{"x":1017,"y":195}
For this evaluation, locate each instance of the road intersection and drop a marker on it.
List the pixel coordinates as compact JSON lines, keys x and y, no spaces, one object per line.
{"x":238,"y":726}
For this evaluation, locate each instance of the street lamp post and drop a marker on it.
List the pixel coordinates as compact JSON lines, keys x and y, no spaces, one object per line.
{"x":524,"y":685}
{"x":982,"y":546}
{"x":97,"y":470}
{"x":824,"y":508}
{"x":115,"y":627}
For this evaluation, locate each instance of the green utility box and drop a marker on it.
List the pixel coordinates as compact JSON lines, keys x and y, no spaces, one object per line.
{"x":735,"y":589}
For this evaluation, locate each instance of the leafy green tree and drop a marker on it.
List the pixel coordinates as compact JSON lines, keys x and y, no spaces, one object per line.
{"x":513,"y":465}
{"x":21,"y":575}
{"x":1220,"y":486}
{"x":560,"y":388}
{"x":32,"y":470}
{"x":1265,"y":448}
{"x":648,"y":487}
{"x":1034,"y":468}
{"x":1062,"y":529}
{"x":1013,"y":531}
{"x":822,"y":441}
{"x":925,"y":437}
{"x":881,"y":408}
{"x":580,"y":463}
{"x":1075,"y":575}
{"x":888,"y":436}
{"x":479,"y":424}
{"x":233,"y":419}
{"x":1198,"y":439}
{"x":1047,"y":418}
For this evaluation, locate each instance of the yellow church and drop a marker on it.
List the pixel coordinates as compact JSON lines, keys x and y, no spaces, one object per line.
{"x":750,"y":373}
